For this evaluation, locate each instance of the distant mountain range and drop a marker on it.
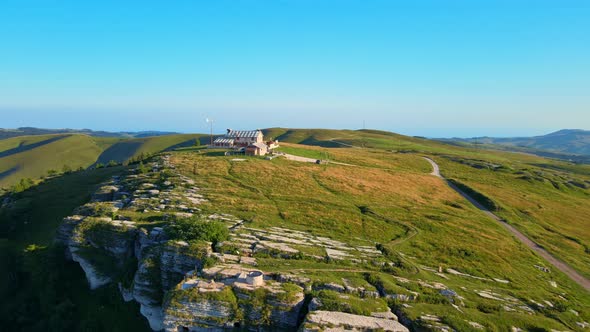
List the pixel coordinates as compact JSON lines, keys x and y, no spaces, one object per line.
{"x":26,"y":131}
{"x":573,"y":144}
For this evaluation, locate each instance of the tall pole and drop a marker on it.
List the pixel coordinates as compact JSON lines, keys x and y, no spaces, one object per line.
{"x":211,"y":132}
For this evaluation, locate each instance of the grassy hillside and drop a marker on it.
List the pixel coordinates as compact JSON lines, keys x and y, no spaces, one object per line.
{"x":390,"y":199}
{"x":549,"y":203}
{"x":33,"y":156}
{"x":385,"y":198}
{"x":549,"y":200}
{"x":33,"y":160}
{"x":122,"y":150}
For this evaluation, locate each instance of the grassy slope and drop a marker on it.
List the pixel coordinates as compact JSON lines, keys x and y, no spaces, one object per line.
{"x":33,"y":156}
{"x":71,"y":150}
{"x":525,"y":186}
{"x":543,"y":205}
{"x":416,"y":214}
{"x":44,"y":289}
{"x":33,"y":218}
{"x":420,"y":216}
{"x":125,"y":149}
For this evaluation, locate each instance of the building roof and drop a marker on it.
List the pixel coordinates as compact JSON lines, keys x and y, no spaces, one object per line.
{"x":242,"y":133}
{"x":222,"y":140}
{"x":258,"y":145}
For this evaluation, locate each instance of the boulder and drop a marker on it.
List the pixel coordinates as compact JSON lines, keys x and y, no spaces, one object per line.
{"x":340,"y":321}
{"x":104,"y":193}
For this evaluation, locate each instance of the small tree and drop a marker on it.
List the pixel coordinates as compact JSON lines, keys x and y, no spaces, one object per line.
{"x":112,"y":163}
{"x":141,"y":168}
{"x":51,"y":172}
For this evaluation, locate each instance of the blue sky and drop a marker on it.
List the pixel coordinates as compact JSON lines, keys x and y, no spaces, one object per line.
{"x":432,"y":68}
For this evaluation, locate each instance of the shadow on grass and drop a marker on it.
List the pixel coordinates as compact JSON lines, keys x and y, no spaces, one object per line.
{"x":23,"y":148}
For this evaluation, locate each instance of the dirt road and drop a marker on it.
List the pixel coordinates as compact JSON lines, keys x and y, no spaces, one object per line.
{"x":558,"y":264}
{"x":311,"y":160}
{"x":298,"y":158}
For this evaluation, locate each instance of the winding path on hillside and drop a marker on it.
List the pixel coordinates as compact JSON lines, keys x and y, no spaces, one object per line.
{"x":557,"y":263}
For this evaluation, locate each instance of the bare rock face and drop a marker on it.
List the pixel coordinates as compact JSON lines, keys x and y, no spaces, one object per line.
{"x":64,"y":232}
{"x":95,"y":278}
{"x":105,"y":193}
{"x":100,"y":245}
{"x":162,"y":265}
{"x":177,"y":258}
{"x":340,"y":321}
{"x":198,"y":309}
{"x":147,"y":289}
{"x":273,"y":305}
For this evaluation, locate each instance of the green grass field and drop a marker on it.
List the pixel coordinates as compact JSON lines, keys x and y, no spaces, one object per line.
{"x":413,"y":214}
{"x":547,"y":199}
{"x":308,"y":153}
{"x":386,"y":197}
{"x":33,"y":156}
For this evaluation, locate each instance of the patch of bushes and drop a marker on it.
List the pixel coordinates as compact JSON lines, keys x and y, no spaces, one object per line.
{"x":489,"y":308}
{"x":196,"y":228}
{"x":22,"y":185}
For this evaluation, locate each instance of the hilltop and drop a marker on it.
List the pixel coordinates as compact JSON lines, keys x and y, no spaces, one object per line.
{"x":371,"y":232}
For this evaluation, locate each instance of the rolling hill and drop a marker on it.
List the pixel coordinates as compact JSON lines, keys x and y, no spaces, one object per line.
{"x":380,"y":195}
{"x":30,"y":131}
{"x":571,"y":144}
{"x":33,"y":156}
{"x":547,"y":199}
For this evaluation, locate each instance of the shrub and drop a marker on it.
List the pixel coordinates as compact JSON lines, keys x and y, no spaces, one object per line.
{"x":489,"y":308}
{"x":141,"y":169}
{"x":198,"y":229}
{"x":22,"y":185}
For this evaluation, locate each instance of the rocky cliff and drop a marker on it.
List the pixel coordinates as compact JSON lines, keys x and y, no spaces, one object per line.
{"x":123,"y":236}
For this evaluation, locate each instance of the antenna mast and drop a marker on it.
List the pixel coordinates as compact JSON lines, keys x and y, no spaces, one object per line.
{"x":210,"y":122}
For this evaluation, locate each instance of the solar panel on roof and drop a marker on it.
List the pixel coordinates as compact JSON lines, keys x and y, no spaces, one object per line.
{"x":243,"y":133}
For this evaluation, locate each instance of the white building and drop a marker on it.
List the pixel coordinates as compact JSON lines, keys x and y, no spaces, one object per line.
{"x":239,"y":138}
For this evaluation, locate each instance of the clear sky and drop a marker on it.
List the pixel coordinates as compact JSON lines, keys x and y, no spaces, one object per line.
{"x":431,"y":68}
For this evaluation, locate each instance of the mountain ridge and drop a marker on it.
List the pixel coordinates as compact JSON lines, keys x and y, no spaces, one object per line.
{"x":563,"y":144}
{"x":33,"y":131}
